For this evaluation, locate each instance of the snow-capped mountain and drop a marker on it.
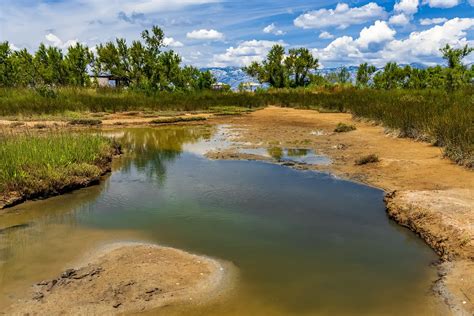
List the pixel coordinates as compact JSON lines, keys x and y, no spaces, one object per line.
{"x":233,"y":76}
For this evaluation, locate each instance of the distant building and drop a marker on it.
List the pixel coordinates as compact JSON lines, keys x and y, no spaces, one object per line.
{"x":219,"y":86}
{"x":249,"y":86}
{"x":109,"y":81}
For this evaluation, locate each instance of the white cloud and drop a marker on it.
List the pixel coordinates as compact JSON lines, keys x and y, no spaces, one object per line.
{"x":378,"y":33}
{"x":407,"y":6}
{"x":273,"y":30}
{"x":55,"y":41}
{"x":326,"y":35}
{"x":432,"y":21}
{"x":417,"y":47}
{"x":171,"y":42}
{"x":471,"y":2}
{"x":342,"y":16}
{"x":399,"y":19}
{"x":211,"y":35}
{"x":442,"y":3}
{"x":245,"y":53}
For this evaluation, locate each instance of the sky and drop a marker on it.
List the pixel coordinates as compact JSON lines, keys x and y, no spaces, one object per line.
{"x":220,"y":33}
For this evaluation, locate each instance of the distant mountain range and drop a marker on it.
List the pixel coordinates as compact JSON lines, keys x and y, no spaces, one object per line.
{"x":233,"y":76}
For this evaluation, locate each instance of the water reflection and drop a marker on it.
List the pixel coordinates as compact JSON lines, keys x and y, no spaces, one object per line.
{"x":305,"y":243}
{"x":150,"y":150}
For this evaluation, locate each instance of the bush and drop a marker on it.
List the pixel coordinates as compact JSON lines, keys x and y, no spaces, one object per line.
{"x":372,"y":158}
{"x":344,"y":128}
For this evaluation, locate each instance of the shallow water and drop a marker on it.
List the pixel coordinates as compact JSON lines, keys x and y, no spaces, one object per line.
{"x":305,"y":243}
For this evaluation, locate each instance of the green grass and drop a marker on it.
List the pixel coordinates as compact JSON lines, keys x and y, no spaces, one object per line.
{"x":445,"y":119}
{"x":33,"y":164}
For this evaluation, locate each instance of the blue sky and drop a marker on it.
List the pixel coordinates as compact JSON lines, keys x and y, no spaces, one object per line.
{"x":234,"y":33}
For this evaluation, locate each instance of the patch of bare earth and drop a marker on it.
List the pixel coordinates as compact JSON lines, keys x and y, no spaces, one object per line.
{"x":427,"y":193}
{"x":127,"y":278}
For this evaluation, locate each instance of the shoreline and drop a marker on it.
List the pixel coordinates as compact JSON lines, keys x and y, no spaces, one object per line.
{"x":424,"y":192}
{"x":414,"y":175}
{"x":11,"y":199}
{"x":130,"y":277}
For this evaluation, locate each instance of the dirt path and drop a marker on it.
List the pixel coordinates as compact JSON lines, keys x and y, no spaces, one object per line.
{"x":425,"y":192}
{"x":127,"y":278}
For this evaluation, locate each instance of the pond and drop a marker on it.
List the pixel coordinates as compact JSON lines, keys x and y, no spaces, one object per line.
{"x":305,"y":243}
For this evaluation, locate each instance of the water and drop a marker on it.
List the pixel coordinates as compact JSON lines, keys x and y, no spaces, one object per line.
{"x":296,"y":155}
{"x":305,"y":243}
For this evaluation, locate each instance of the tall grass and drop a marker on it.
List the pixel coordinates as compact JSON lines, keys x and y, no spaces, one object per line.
{"x":446,"y":119}
{"x":43,"y":164}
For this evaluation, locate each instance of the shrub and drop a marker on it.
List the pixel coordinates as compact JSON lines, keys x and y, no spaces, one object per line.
{"x":344,"y":128}
{"x":372,"y":158}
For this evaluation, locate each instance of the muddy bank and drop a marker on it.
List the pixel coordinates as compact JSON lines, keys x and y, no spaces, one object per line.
{"x":427,"y":193}
{"x":128,"y":278}
{"x":68,"y":184}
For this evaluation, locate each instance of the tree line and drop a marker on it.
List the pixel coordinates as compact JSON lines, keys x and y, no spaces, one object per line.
{"x":299,"y":68}
{"x":142,"y":64}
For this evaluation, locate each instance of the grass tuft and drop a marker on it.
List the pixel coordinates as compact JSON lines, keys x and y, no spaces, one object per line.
{"x":344,"y":128}
{"x":372,"y":158}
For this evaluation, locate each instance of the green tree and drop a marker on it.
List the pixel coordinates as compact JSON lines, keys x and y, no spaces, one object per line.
{"x":364,"y":74}
{"x":6,"y":67}
{"x":49,"y":65}
{"x":23,"y":68}
{"x":273,"y":70}
{"x":299,"y":64}
{"x":78,"y":58}
{"x":457,"y":75}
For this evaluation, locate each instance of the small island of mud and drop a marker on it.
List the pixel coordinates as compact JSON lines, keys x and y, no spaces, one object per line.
{"x":128,"y":278}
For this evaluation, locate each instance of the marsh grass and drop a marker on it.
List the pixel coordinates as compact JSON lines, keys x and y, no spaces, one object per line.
{"x":36,"y":164}
{"x":444,"y":119}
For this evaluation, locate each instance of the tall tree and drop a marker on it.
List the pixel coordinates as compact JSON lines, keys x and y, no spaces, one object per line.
{"x":77,"y":60}
{"x":364,"y":74}
{"x":299,"y":64}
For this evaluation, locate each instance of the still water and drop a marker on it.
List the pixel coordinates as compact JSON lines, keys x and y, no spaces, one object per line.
{"x":305,"y":243}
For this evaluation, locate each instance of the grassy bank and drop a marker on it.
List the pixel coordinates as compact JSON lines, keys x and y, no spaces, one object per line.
{"x":445,"y":119}
{"x":41,"y":165}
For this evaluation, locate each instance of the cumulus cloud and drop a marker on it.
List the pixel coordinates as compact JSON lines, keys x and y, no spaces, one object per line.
{"x":407,"y":6}
{"x":245,"y":53}
{"x":442,"y":3}
{"x":209,"y":35}
{"x":55,"y":41}
{"x":171,"y":42}
{"x":432,"y":21}
{"x":417,"y":47}
{"x":399,"y":19}
{"x":272,"y":29}
{"x":326,"y":35}
{"x":378,"y":33}
{"x":342,"y":16}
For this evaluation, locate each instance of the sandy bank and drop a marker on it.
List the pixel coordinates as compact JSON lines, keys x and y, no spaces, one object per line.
{"x":425,"y":192}
{"x":127,"y":278}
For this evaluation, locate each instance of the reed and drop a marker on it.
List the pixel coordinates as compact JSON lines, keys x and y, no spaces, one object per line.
{"x":32,"y":163}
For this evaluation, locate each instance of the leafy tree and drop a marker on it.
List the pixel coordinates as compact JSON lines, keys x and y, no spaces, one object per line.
{"x":49,"y":65}
{"x":78,"y":58}
{"x":457,"y":75}
{"x":24,"y":73}
{"x":6,"y":66}
{"x":364,"y":74}
{"x":298,"y":64}
{"x":273,"y":70}
{"x":206,"y":80}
